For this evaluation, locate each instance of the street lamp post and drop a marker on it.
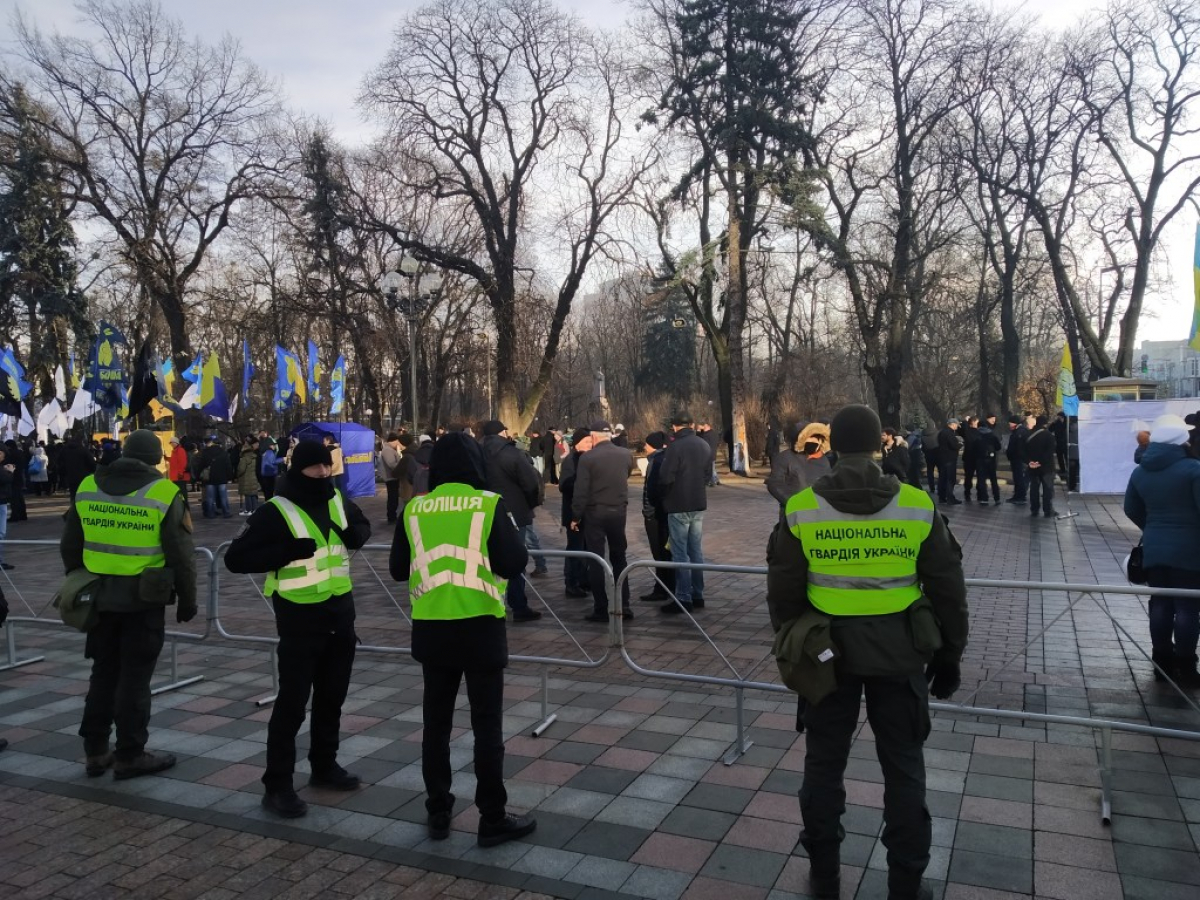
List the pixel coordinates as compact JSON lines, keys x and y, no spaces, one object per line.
{"x":412,"y":307}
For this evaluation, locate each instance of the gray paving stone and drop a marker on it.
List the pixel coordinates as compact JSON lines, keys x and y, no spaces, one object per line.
{"x":718,"y":797}
{"x":1014,"y":842}
{"x":547,"y":861}
{"x":602,"y":780}
{"x":704,"y":824}
{"x":658,"y":787}
{"x":1158,"y":863}
{"x":656,"y":883}
{"x":988,"y":870}
{"x":638,"y":813}
{"x":1137,"y":888}
{"x":1152,"y":832}
{"x":999,"y":788}
{"x":618,"y":842}
{"x":744,"y":865}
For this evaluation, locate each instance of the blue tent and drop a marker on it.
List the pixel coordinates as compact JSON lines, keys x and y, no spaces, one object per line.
{"x":358,"y":452}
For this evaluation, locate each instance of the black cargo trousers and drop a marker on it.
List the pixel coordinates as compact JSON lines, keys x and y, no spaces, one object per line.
{"x":898,"y":711}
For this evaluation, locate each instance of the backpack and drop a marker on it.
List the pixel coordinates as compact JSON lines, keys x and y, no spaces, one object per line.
{"x":36,"y":466}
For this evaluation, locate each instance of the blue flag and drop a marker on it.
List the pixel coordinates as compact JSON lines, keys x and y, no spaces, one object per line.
{"x":106,"y":376}
{"x":337,"y":386}
{"x":214,"y":401}
{"x":248,"y":371}
{"x":10,"y":366}
{"x":193,"y":373}
{"x":314,"y":372}
{"x":289,"y":379}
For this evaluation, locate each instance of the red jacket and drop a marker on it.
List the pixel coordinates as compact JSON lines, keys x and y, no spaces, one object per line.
{"x":177,"y":465}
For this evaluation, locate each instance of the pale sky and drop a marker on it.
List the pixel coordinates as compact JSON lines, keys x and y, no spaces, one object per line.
{"x":321,"y":49}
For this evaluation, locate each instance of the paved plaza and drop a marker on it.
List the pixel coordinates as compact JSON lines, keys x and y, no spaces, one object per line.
{"x":628,"y":784}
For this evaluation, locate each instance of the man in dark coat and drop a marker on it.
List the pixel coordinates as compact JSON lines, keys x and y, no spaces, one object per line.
{"x":77,"y":464}
{"x":598,"y":508}
{"x":896,"y":658}
{"x":1015,"y":451}
{"x":682,"y":481}
{"x":307,"y":520}
{"x":987,"y":452}
{"x":969,"y":433}
{"x":458,"y":632}
{"x":511,"y":474}
{"x":1040,"y":456}
{"x":947,"y":455}
{"x":655,"y":519}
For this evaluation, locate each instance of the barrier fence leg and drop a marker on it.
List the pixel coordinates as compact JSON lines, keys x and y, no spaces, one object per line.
{"x":263,"y":701}
{"x":1106,"y":775}
{"x":548,"y":718}
{"x":10,"y":642}
{"x":175,"y":683}
{"x":740,"y":745}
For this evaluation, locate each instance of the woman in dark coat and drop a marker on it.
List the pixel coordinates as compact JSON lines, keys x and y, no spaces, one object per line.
{"x":1163,"y":499}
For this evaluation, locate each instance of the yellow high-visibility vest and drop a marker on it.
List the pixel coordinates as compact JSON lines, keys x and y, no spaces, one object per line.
{"x":122,"y":533}
{"x":323,"y":575}
{"x":862,"y":565}
{"x":451,"y":576}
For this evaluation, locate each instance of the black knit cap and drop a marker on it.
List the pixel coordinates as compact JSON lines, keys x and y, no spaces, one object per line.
{"x":855,"y":429}
{"x":656,"y":439}
{"x":457,"y":459}
{"x":310,"y":453}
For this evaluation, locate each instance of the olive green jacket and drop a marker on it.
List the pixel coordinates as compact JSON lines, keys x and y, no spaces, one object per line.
{"x":121,"y":593}
{"x":892,"y":645}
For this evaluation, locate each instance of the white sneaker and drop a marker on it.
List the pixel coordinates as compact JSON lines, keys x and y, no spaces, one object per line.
{"x":243,"y":513}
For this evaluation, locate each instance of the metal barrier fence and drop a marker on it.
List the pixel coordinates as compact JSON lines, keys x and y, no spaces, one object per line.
{"x":1093,"y":592}
{"x":41,"y":619}
{"x":543,"y":662}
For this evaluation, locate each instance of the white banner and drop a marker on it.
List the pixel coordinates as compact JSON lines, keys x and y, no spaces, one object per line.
{"x":1108,"y":437}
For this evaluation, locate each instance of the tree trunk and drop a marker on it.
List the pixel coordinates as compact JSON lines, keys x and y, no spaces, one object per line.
{"x":1010,"y":340}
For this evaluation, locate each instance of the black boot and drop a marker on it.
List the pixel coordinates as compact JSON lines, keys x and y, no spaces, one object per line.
{"x":824,"y":874}
{"x":1185,"y":671}
{"x":1164,"y":662}
{"x":905,"y":884}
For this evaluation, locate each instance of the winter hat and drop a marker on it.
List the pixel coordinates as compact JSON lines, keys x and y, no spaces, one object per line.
{"x":310,"y":453}
{"x":143,"y":445}
{"x":618,"y":427}
{"x":855,"y":429}
{"x":1169,"y":430}
{"x":493,"y":427}
{"x":457,"y":459}
{"x":656,"y":439}
{"x":600,"y":426}
{"x":680,"y":419}
{"x":812,"y":433}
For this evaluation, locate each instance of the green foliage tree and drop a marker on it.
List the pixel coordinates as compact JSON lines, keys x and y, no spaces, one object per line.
{"x":738,"y":93}
{"x":38,"y":270}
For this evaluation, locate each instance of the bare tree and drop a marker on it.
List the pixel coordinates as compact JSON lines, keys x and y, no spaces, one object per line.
{"x":162,"y":136}
{"x":481,"y":98}
{"x":1139,"y":77}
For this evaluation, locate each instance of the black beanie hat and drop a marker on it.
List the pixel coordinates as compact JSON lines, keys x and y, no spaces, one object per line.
{"x":144,"y":445}
{"x":457,"y":459}
{"x":310,"y":453}
{"x":656,"y":439}
{"x":855,"y":429}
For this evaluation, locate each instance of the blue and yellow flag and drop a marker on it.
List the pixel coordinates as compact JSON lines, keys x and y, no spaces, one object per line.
{"x":106,"y":376}
{"x":289,"y":380}
{"x":314,"y":372}
{"x":214,"y":401}
{"x":193,"y":373}
{"x":337,"y":386}
{"x":1194,"y":341}
{"x":12,"y":368}
{"x":1067,"y":397}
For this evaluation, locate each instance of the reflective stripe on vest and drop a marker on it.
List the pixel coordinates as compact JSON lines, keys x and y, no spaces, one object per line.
{"x":862,"y":565}
{"x":451,"y":575}
{"x":323,"y":575}
{"x":122,"y":533}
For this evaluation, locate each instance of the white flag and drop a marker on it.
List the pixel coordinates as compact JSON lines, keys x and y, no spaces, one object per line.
{"x":233,"y":407}
{"x":27,"y":426}
{"x":60,"y":385}
{"x":81,"y":407}
{"x":191,"y":397}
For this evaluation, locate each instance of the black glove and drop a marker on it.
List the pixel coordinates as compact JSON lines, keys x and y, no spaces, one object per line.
{"x":301,"y":548}
{"x":185,"y":612}
{"x":944,"y":678}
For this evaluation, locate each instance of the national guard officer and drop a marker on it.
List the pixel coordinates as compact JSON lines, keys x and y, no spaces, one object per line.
{"x":867,"y":563}
{"x":301,"y":538}
{"x":456,"y":546}
{"x":130,"y":526}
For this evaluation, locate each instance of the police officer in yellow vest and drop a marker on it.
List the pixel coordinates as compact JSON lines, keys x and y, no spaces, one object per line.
{"x":871,"y":559}
{"x":130,"y":526}
{"x":302,"y":539}
{"x":456,"y":546}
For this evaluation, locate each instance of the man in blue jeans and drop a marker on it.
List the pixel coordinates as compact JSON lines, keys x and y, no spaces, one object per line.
{"x":686,"y":468}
